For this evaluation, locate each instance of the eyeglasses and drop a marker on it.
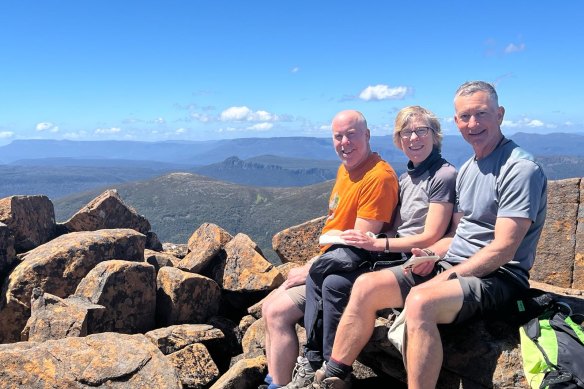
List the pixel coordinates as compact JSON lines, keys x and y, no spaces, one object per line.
{"x":420,"y":132}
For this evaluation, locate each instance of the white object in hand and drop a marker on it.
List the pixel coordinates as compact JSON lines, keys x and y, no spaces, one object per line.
{"x":415,"y":261}
{"x":330,"y":239}
{"x":333,"y":237}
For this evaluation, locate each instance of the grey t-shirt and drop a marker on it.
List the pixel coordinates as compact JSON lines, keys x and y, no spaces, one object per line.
{"x":506,"y":183}
{"x":435,"y":185}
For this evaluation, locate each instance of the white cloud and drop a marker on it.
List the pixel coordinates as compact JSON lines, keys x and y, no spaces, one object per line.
{"x":181,"y":131}
{"x":261,"y":127}
{"x":245,"y":114}
{"x":113,"y":130}
{"x":513,"y":48}
{"x":6,"y":134}
{"x":47,"y":126}
{"x":327,"y":127}
{"x":535,"y":123}
{"x":159,"y":120}
{"x":295,"y":69}
{"x":525,"y":122}
{"x":383,"y":92}
{"x":200,"y":117}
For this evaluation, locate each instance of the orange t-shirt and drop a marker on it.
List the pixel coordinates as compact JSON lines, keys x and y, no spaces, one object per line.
{"x":370,"y":192}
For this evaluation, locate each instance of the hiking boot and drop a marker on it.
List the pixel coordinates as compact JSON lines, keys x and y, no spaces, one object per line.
{"x":333,"y":383}
{"x":302,"y":376}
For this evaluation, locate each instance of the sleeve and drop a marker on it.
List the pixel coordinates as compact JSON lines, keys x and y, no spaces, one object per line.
{"x":520,"y":190}
{"x":458,"y":185}
{"x":443,"y":186}
{"x":379,"y":196}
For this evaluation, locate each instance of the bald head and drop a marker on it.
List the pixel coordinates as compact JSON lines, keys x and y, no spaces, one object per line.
{"x":351,"y":138}
{"x":356,"y":119}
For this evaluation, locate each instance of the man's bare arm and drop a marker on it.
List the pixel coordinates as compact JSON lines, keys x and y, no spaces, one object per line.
{"x":509,"y":233}
{"x":365,"y":225}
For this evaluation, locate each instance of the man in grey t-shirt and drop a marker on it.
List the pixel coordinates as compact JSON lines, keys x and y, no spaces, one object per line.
{"x":499,"y":215}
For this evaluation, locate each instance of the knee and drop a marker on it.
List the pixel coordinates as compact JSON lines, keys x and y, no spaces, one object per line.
{"x":280,"y":314}
{"x":363,"y":288}
{"x":420,"y":306}
{"x":337,"y":282}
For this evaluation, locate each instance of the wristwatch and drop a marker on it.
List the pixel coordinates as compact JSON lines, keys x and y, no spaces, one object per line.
{"x":386,"y":251}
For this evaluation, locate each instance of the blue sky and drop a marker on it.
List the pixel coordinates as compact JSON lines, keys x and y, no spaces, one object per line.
{"x":199,"y":70}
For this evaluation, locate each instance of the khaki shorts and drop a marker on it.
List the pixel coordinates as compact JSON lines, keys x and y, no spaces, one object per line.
{"x":298,"y":296}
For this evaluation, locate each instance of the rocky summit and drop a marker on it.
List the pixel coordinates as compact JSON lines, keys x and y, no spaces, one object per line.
{"x":99,"y":301}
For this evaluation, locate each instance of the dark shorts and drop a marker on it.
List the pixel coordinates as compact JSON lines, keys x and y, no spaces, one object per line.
{"x":480,"y":295}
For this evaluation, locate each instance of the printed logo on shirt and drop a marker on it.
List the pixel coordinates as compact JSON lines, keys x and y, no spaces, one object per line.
{"x":333,"y":204}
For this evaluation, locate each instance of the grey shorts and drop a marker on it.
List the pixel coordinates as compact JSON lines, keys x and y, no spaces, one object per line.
{"x":298,"y":296}
{"x":480,"y":295}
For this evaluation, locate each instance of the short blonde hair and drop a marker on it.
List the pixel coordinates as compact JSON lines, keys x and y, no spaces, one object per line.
{"x":406,"y":115}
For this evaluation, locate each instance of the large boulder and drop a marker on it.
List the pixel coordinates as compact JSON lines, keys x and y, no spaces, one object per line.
{"x":299,"y":243}
{"x":195,"y":367}
{"x":184,"y":297}
{"x":30,"y":218}
{"x":127,"y":290}
{"x":241,"y":268}
{"x":204,"y":244}
{"x":107,"y":360}
{"x":107,"y":211}
{"x":57,"y":267}
{"x":55,"y":318}
{"x":554,"y":262}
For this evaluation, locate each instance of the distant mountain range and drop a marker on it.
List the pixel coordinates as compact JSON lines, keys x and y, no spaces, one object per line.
{"x":250,"y":191}
{"x":60,"y":168}
{"x":192,"y":154}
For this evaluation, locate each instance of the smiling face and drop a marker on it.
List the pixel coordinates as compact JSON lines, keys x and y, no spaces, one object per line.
{"x":479,"y":119}
{"x":417,"y":147}
{"x":351,"y":138}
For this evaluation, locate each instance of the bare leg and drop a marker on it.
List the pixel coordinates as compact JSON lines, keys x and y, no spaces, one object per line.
{"x":371,"y":292}
{"x":428,"y":307}
{"x":280,"y":315}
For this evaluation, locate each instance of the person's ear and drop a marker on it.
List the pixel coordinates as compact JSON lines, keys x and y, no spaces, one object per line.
{"x":500,"y":114}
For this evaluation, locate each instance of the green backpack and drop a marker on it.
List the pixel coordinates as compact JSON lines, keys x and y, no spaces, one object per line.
{"x":552,"y":349}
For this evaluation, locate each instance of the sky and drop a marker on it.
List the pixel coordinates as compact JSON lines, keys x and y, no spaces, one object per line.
{"x":201,"y":70}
